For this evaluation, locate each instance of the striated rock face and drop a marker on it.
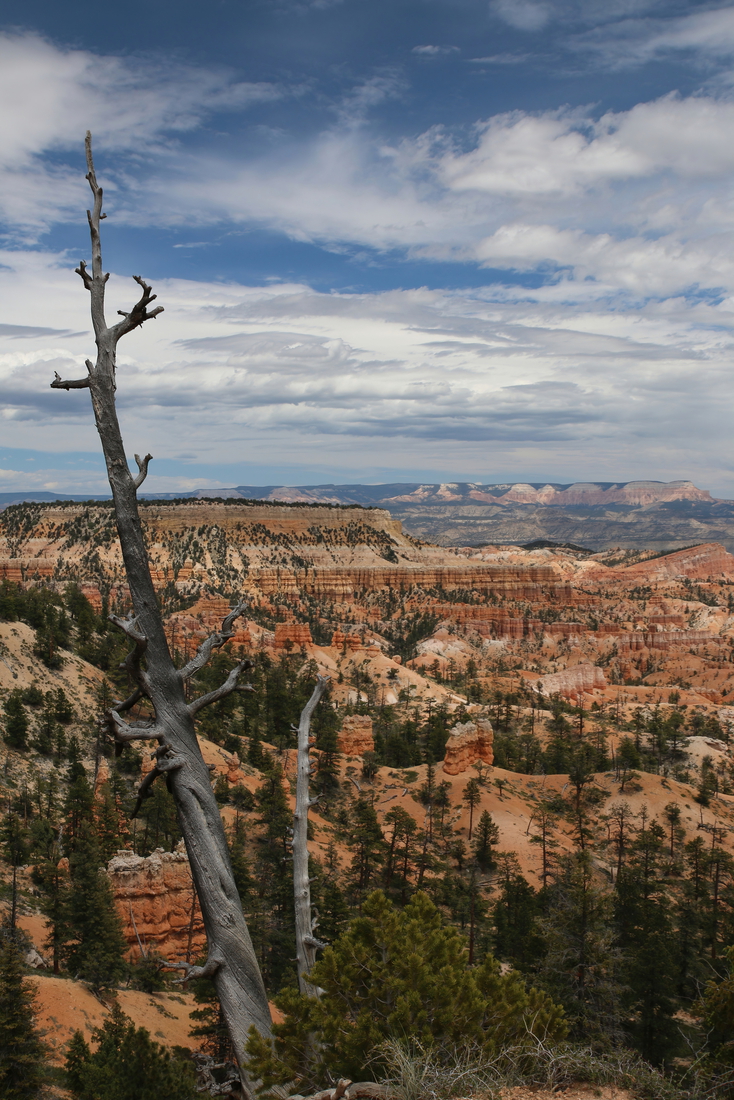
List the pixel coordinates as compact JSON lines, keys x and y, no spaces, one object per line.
{"x":698,"y":563}
{"x":292,"y":636}
{"x":344,"y":583}
{"x":467,"y":744}
{"x":573,"y":681}
{"x":355,"y":737}
{"x":154,"y":895}
{"x":353,"y":642}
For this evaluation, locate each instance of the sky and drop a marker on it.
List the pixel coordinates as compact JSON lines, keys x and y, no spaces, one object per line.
{"x":403,"y":240}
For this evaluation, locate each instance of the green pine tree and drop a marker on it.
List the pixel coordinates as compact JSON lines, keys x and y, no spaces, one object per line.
{"x":127,"y":1065}
{"x":16,"y":720}
{"x":20,"y":1048}
{"x":581,"y":963}
{"x":399,"y":973}
{"x":96,"y":951}
{"x":644,"y":921}
{"x":486,"y":837}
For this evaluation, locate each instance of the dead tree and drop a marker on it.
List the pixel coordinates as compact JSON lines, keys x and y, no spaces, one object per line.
{"x":306,"y":942}
{"x":231,"y":961}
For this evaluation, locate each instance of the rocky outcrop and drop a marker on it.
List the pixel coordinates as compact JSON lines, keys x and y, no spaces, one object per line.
{"x":581,"y":492}
{"x":355,"y":738}
{"x":467,"y":744}
{"x":156,"y":902}
{"x":340,"y":640}
{"x":573,"y":681}
{"x":697,"y":563}
{"x":290,"y":636}
{"x":343,"y":583}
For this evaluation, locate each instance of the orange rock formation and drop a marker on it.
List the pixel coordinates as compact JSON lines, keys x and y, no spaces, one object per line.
{"x":155,"y":899}
{"x":355,"y":737}
{"x":468,"y":744}
{"x":292,"y":636}
{"x":573,"y":681}
{"x":710,"y":559}
{"x":351,"y":641}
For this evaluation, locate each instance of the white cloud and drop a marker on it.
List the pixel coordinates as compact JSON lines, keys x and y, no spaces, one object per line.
{"x":465,"y":379}
{"x":432,"y":52}
{"x":51,"y":96}
{"x":704,"y":36}
{"x":631,"y":200}
{"x":567,"y":153}
{"x":526,"y":15}
{"x":643,"y":192}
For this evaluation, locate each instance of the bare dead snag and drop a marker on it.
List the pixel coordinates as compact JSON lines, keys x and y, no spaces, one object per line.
{"x":306,"y":942}
{"x":232,"y":962}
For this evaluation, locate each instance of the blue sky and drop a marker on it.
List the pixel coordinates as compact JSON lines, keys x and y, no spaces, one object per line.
{"x":417,"y":240}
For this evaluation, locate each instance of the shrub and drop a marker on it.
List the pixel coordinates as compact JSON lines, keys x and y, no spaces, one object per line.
{"x":127,"y":1065}
{"x":399,"y":974}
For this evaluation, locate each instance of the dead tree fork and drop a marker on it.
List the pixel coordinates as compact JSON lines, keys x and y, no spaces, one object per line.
{"x":231,"y":961}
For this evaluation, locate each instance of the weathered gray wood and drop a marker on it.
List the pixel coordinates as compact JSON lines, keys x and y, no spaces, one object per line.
{"x":306,"y":942}
{"x":231,"y":960}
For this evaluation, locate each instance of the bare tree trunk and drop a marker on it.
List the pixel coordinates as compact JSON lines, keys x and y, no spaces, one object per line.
{"x":231,"y":961}
{"x":306,"y":942}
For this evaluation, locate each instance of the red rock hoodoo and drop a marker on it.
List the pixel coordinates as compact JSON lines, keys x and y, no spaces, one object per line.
{"x":155,"y":899}
{"x":292,"y":636}
{"x":468,"y":744}
{"x":355,"y":737}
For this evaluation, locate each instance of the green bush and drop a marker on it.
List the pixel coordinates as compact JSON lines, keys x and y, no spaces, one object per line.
{"x":127,"y":1065}
{"x":399,"y":974}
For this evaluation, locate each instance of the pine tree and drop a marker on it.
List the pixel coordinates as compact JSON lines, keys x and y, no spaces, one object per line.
{"x":516,"y":936}
{"x":487,"y":836}
{"x":644,"y":920}
{"x":365,"y":840}
{"x":399,"y":972}
{"x":78,"y":806}
{"x":16,"y":720}
{"x":127,"y":1065}
{"x":269,"y":904}
{"x":53,"y":878}
{"x":237,"y":842}
{"x":581,"y":964}
{"x":400,"y":851}
{"x":97,"y":951}
{"x":110,"y":823}
{"x":20,"y":1048}
{"x":472,"y":796}
{"x":210,"y":1028}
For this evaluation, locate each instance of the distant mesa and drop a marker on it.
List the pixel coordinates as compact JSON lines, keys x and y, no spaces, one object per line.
{"x":656,"y":515}
{"x":547,"y":494}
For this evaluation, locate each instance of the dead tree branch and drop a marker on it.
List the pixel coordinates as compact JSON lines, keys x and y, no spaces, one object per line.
{"x":306,"y":922}
{"x":132,"y":731}
{"x":75,"y":384}
{"x":233,"y":964}
{"x":225,"y":689}
{"x":166,"y":762}
{"x":145,"y":790}
{"x":126,"y":704}
{"x":142,"y":464}
{"x":208,"y":970}
{"x":214,"y":641}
